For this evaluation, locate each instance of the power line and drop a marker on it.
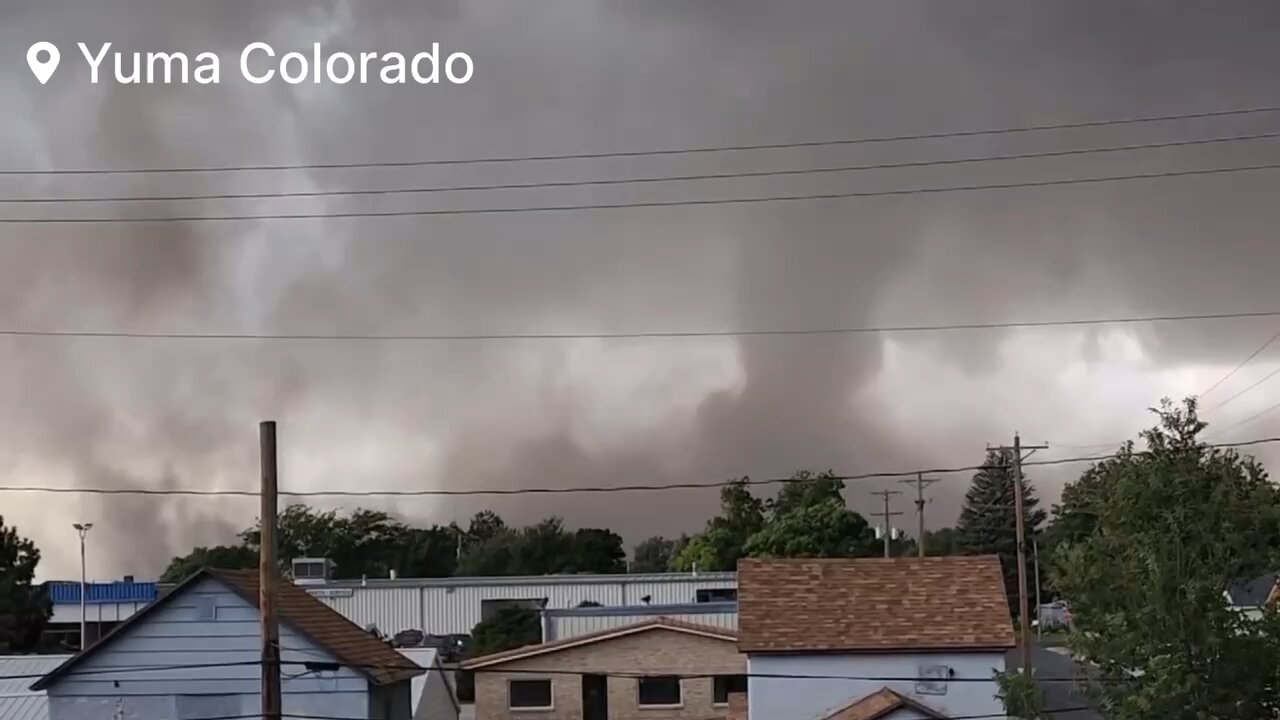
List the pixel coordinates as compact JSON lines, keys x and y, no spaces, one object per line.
{"x":1239,"y":367}
{"x":1255,"y":416}
{"x":1265,"y":378}
{"x":523,"y":209}
{"x":655,"y":487}
{"x":409,"y":665}
{"x":660,"y":334}
{"x":637,"y":180}
{"x":643,"y":153}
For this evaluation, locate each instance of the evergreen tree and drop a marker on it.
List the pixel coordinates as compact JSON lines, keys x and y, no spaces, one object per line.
{"x":988,"y":520}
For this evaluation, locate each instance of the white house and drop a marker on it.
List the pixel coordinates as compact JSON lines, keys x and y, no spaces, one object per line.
{"x":894,"y":639}
{"x":194,"y":653}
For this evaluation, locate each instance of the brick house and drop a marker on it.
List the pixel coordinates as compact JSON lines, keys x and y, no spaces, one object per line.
{"x":857,"y":639}
{"x":640,"y":671}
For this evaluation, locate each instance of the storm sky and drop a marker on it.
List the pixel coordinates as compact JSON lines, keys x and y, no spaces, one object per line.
{"x":588,"y":76}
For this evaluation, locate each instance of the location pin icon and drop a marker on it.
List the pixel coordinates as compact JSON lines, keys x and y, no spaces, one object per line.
{"x":43,"y":58}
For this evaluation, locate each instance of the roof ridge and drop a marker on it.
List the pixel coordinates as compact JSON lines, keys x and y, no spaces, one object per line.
{"x":659,"y":622}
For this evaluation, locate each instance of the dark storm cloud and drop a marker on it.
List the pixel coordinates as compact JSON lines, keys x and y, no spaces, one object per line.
{"x":583,"y":75}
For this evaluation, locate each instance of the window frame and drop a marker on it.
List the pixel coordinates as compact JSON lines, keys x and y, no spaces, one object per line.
{"x":551,"y":695}
{"x":679,"y":703}
{"x":725,"y":677}
{"x":710,"y":595}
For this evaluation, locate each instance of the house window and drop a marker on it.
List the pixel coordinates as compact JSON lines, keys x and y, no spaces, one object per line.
{"x":206,"y":607}
{"x":489,"y":609}
{"x":708,"y":595}
{"x":725,"y":685}
{"x":933,"y":680}
{"x":658,"y":691}
{"x":529,"y":694}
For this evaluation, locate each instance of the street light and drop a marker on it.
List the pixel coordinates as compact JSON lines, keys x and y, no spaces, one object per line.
{"x":83,"y":529}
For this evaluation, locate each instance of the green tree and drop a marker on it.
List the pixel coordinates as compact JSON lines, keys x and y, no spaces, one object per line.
{"x":598,"y":550}
{"x":807,"y":518}
{"x":225,"y":557}
{"x":988,"y":519}
{"x":508,"y":629}
{"x":724,"y":540}
{"x":1021,"y":696}
{"x":543,"y":548}
{"x":1169,"y":529}
{"x":1071,"y":521}
{"x":941,"y":542}
{"x":655,"y":554}
{"x":824,"y":529}
{"x":365,"y":543}
{"x":427,"y":552}
{"x":24,"y":607}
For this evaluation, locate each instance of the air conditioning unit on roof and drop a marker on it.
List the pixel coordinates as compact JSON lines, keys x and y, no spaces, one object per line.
{"x":312,"y":571}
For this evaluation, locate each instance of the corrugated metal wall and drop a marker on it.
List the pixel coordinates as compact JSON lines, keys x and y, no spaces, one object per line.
{"x":575,"y":625}
{"x":672,"y":593}
{"x":391,"y":609}
{"x":449,"y":607}
{"x":65,"y":592}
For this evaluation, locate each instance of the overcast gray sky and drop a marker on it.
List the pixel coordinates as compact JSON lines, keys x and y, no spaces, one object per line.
{"x":575,"y":76}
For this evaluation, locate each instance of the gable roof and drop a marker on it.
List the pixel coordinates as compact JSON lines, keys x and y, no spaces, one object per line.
{"x":17,"y":701}
{"x":1252,"y":593}
{"x":873,"y":604}
{"x":881,"y":704}
{"x":662,"y":623}
{"x":307,"y":616}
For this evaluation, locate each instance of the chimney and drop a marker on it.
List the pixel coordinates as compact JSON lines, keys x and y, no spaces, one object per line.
{"x":128,"y":578}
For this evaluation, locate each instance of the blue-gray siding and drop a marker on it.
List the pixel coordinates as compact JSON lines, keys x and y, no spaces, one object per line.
{"x":148,"y":672}
{"x":842,"y":679}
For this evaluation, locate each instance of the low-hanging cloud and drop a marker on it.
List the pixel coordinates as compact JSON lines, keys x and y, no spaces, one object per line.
{"x":584,"y":75}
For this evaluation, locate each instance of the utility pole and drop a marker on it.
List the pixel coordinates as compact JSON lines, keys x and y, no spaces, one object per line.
{"x":267,"y":577}
{"x":1024,"y":612}
{"x":920,"y":482}
{"x":888,"y":530}
{"x":1035,"y":555}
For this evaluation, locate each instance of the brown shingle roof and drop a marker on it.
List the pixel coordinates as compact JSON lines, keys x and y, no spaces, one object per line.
{"x":880,"y":704}
{"x":870,"y":604}
{"x":327,"y":628}
{"x":660,"y":623}
{"x":311,"y":618}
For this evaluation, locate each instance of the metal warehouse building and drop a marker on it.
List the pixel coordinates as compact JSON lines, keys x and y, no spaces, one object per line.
{"x":447,"y":606}
{"x":574,"y":622}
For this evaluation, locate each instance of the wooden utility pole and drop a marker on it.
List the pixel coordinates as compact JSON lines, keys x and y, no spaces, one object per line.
{"x":1024,"y":612}
{"x":267,"y":577}
{"x":920,"y":482}
{"x":888,"y":530}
